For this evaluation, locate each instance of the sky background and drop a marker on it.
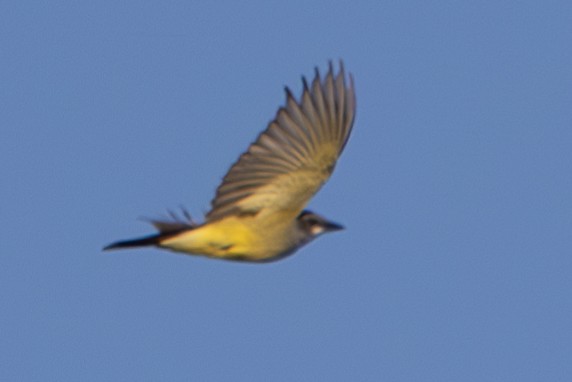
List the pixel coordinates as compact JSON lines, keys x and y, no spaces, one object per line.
{"x":455,"y":188}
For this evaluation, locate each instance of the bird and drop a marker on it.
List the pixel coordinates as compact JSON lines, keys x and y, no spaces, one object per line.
{"x":259,"y":210}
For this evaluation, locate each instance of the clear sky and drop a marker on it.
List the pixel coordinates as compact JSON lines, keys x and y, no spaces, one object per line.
{"x":455,"y":188}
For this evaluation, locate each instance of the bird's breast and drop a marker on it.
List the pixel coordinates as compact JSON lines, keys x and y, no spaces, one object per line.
{"x":239,"y":238}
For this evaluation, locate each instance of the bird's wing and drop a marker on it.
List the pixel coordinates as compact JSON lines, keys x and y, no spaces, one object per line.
{"x":295,"y":155}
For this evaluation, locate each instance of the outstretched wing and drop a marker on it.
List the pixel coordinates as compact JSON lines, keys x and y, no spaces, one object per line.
{"x":295,"y":155}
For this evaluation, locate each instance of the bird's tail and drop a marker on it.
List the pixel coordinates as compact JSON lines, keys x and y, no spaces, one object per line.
{"x":142,"y":242}
{"x":166,"y":228}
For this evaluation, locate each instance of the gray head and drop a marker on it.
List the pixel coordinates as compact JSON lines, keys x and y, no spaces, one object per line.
{"x":308,"y":226}
{"x":314,"y":225}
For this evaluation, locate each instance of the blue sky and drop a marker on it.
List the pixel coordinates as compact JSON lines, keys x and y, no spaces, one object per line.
{"x":455,"y":189}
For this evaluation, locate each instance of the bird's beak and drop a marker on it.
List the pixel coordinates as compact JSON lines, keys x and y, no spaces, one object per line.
{"x":331,"y":226}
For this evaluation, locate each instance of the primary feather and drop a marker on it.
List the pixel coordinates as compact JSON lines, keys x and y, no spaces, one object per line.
{"x":295,"y":155}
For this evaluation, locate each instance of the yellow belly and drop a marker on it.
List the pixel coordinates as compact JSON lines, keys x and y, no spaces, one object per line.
{"x":235,"y":238}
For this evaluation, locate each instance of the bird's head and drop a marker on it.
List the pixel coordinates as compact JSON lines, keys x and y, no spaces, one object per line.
{"x":314,"y":225}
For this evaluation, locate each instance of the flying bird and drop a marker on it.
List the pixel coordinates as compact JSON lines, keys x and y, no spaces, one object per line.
{"x":258,"y":212}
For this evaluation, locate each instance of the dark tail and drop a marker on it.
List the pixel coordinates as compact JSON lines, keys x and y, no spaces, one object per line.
{"x":167,"y":229}
{"x":143,"y":242}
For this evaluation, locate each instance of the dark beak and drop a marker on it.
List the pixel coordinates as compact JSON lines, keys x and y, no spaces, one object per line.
{"x":331,"y":226}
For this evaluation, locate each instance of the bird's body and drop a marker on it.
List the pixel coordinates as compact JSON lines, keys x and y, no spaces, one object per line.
{"x":258,"y":211}
{"x":237,"y":238}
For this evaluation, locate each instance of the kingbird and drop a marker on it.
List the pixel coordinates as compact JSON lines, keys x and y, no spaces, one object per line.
{"x":258,"y":212}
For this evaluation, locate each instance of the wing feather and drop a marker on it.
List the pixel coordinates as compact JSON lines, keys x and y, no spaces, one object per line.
{"x":295,"y":155}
